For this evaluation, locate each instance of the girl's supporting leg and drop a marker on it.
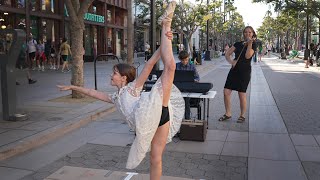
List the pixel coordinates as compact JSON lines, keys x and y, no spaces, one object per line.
{"x":157,"y":148}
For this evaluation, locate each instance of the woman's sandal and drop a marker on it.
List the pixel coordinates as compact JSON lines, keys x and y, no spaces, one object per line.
{"x":224,"y":118}
{"x":241,"y":119}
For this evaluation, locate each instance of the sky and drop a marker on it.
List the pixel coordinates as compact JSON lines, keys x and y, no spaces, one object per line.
{"x":252,"y":13}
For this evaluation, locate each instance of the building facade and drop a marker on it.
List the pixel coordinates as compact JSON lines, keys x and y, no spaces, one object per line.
{"x":47,"y":20}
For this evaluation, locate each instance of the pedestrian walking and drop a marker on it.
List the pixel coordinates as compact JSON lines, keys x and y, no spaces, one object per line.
{"x":22,"y":64}
{"x":318,"y":54}
{"x":146,"y":51}
{"x":240,"y":72}
{"x":260,"y":53}
{"x":269,"y":49}
{"x":66,"y":54}
{"x":52,"y":57}
{"x":40,"y":57}
{"x":32,"y":50}
{"x":181,"y":47}
{"x":156,"y":116}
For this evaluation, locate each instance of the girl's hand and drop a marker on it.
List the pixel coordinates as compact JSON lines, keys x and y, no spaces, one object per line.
{"x":64,"y":88}
{"x":169,"y":34}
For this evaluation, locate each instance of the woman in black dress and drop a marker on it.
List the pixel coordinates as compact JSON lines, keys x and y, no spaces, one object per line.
{"x":240,"y":72}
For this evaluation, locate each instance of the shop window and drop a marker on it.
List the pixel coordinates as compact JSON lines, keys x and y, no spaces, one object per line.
{"x":34,"y":5}
{"x":5,"y":2}
{"x":118,"y":18}
{"x":110,"y":43}
{"x":125,"y":21}
{"x":109,"y":15}
{"x":67,"y":32}
{"x":5,"y":43}
{"x":87,"y":41}
{"x":6,"y":20}
{"x":21,"y":22}
{"x":94,"y":9}
{"x":47,"y":5}
{"x":20,"y":3}
{"x":34,"y":27}
{"x":47,"y":30}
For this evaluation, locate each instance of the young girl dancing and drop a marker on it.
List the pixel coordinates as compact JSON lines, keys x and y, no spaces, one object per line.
{"x":156,"y":115}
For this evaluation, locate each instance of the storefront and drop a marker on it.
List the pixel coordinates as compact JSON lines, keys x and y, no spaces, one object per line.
{"x":47,"y":20}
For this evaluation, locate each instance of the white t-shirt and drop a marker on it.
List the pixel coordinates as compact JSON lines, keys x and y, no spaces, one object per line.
{"x":32,"y":46}
{"x":269,"y":47}
{"x":146,"y":47}
{"x":181,"y":47}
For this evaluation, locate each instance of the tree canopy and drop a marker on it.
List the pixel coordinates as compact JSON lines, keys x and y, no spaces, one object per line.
{"x":310,"y":6}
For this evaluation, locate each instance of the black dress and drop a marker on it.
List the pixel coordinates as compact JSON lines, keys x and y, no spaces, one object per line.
{"x":239,"y":76}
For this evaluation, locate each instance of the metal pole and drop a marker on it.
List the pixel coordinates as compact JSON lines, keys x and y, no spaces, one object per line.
{"x":153,"y":31}
{"x":207,"y":55}
{"x":208,"y":30}
{"x":306,"y":51}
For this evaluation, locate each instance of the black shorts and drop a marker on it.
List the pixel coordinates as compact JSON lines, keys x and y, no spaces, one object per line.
{"x":32,"y":55}
{"x":65,"y":57}
{"x":164,"y":116}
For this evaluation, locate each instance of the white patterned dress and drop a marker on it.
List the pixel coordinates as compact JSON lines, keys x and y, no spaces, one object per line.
{"x":143,"y":113}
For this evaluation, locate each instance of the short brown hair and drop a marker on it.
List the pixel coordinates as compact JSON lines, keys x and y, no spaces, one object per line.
{"x":126,"y":70}
{"x":183,"y":54}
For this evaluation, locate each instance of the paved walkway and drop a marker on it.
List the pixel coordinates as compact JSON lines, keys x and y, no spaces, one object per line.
{"x":53,"y":113}
{"x":266,"y":147}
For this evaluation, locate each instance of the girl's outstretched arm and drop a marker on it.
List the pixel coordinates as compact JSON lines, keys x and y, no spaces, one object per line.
{"x":141,"y":79}
{"x":89,"y":92}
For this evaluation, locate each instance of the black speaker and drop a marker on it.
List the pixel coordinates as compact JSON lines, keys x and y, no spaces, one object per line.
{"x":193,"y":130}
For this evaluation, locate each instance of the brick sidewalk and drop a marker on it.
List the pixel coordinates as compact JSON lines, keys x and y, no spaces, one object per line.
{"x":51,"y":113}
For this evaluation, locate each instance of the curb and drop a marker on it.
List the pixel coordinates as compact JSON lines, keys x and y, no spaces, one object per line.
{"x":52,"y":133}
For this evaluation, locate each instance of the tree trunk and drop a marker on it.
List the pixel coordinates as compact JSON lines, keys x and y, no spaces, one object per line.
{"x":77,"y":56}
{"x":190,"y":45}
{"x":282,"y":48}
{"x":130,"y":33}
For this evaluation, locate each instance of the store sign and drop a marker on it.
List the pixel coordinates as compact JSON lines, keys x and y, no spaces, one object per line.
{"x":88,"y":16}
{"x":94,"y":18}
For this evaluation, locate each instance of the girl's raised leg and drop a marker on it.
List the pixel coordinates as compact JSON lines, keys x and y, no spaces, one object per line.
{"x":167,"y":54}
{"x":159,"y":140}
